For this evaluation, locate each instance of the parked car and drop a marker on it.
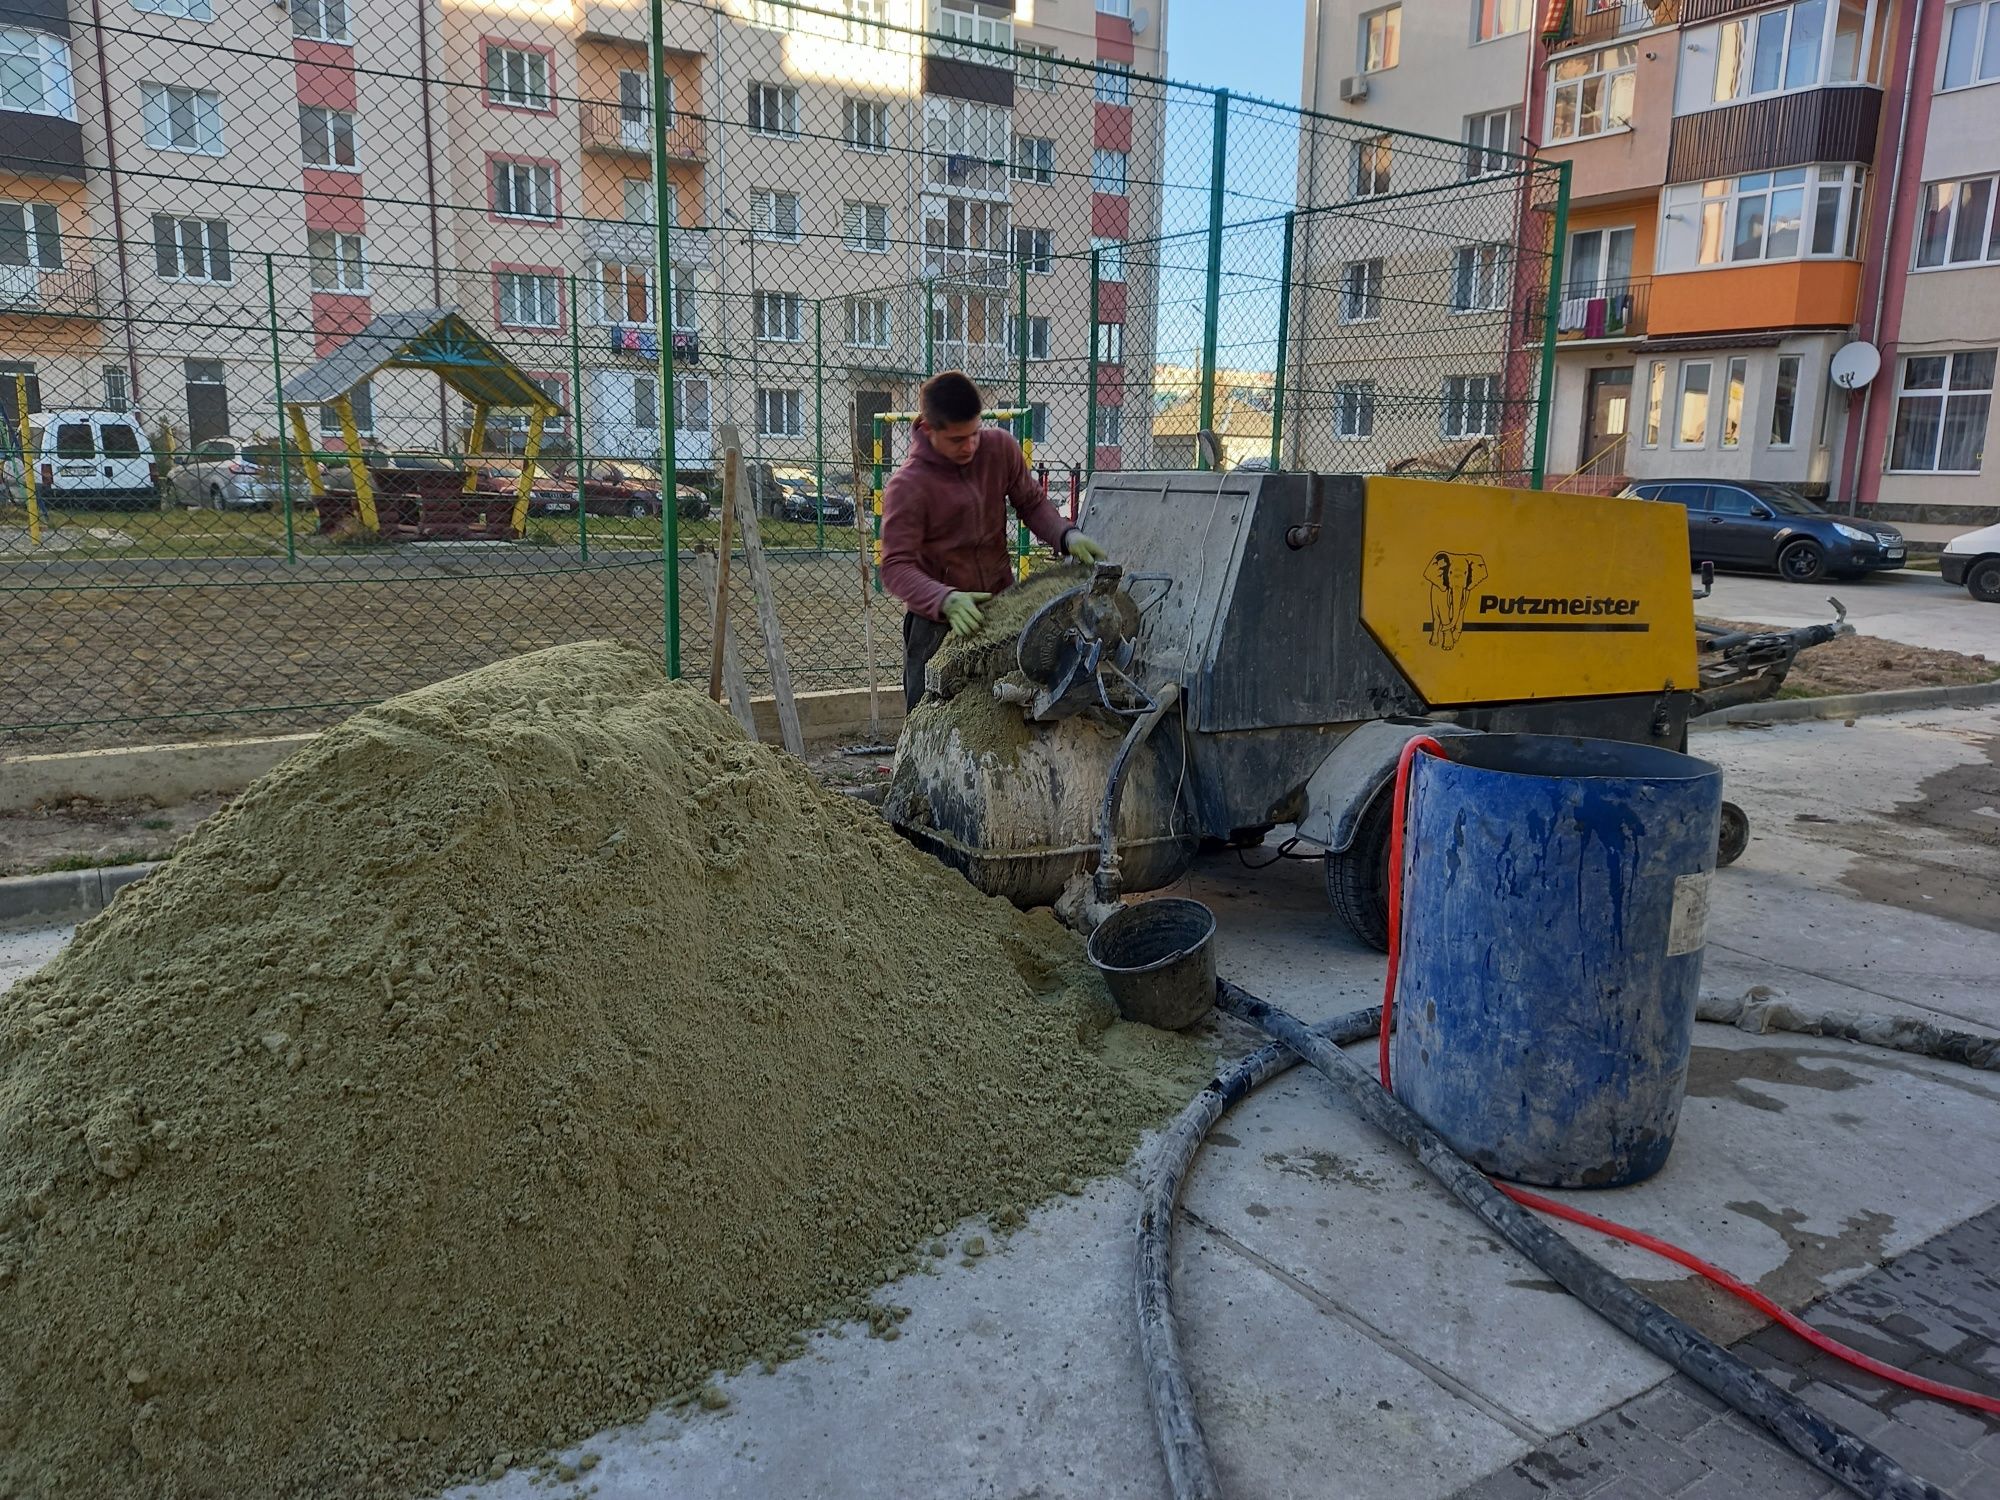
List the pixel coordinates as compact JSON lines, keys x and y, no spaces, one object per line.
{"x":1974,"y":560}
{"x":613,"y":487}
{"x":799,"y":504}
{"x":1750,"y":523}
{"x":226,"y":473}
{"x":82,"y":459}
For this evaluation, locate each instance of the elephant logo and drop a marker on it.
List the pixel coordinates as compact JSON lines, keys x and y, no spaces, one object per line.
{"x":1452,"y":577}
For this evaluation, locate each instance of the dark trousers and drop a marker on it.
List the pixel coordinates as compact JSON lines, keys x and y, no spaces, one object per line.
{"x":921,"y":639}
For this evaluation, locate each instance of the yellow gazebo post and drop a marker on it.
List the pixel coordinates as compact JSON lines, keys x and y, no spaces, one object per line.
{"x":302,"y":440}
{"x":357,"y":465}
{"x":525,"y":484}
{"x":475,"y":444}
{"x":28,"y":457}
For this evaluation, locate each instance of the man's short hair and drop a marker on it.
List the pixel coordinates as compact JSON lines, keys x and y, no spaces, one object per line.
{"x":950,"y":397}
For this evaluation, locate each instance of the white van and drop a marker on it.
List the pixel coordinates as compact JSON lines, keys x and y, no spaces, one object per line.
{"x":83,"y":458}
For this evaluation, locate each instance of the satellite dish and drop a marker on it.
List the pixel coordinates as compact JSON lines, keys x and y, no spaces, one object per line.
{"x":1141,"y":19}
{"x":1854,"y":365}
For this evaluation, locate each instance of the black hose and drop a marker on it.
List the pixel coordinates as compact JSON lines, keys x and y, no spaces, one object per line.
{"x":1833,"y":1450}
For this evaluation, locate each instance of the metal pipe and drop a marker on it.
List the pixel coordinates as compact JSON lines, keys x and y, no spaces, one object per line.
{"x":1212,"y":286}
{"x":1107,"y":882}
{"x":431,"y":201}
{"x":1284,"y":335}
{"x":663,"y":201}
{"x":133,"y":395}
{"x":278,"y":390}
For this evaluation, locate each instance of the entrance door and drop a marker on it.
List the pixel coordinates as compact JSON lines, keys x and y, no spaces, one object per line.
{"x":1607,"y":413}
{"x":207,"y":400}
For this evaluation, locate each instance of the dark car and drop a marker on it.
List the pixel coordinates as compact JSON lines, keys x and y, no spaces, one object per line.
{"x":799,"y":504}
{"x":612,"y":488}
{"x":1751,"y":523}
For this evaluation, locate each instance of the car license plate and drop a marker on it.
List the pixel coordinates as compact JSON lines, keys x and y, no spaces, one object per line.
{"x":1894,"y":554}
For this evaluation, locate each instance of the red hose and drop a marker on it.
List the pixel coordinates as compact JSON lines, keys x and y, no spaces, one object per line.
{"x":1423,"y":744}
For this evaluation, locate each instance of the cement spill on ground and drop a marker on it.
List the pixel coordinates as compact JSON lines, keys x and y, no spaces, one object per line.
{"x":515,"y":1055}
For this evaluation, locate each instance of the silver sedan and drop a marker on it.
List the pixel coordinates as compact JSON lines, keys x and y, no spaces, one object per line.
{"x":228,"y":473}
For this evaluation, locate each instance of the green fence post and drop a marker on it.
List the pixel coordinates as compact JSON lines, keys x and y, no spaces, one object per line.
{"x":930,"y":328}
{"x":278,"y":393}
{"x":1024,"y":426}
{"x":1284,"y":340}
{"x":819,"y":425}
{"x":663,"y":212}
{"x":1551,"y":309}
{"x":1211,"y":315}
{"x":579,"y":453}
{"x":1090,"y":394}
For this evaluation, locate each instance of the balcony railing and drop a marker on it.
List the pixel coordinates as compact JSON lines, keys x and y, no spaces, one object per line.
{"x":1589,"y":310}
{"x":614,"y":127}
{"x":1592,"y":22}
{"x":68,"y":292}
{"x":612,"y":239}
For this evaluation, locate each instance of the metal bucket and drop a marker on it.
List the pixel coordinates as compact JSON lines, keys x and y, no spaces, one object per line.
{"x":1158,"y":961}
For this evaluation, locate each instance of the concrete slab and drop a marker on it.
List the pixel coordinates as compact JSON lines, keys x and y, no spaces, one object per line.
{"x":1912,"y":606}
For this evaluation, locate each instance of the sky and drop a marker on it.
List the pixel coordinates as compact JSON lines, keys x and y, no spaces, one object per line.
{"x":1245,"y":46}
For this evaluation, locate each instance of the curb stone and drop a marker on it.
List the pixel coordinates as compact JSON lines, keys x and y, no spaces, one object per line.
{"x":1851,"y":705}
{"x":64,"y":895}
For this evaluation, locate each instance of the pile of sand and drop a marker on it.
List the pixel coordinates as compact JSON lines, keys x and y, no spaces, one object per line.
{"x":499,"y":1066}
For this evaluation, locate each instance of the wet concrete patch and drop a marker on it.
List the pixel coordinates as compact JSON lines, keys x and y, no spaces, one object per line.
{"x":1729,"y":1072}
{"x":1955,"y":814}
{"x":1323,"y":1166}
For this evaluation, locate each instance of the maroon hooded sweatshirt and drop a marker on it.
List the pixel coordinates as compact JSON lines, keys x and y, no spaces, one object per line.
{"x":944,"y":528}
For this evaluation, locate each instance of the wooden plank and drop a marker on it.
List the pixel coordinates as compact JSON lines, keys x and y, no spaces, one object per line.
{"x":767,"y":614}
{"x":728,"y":666}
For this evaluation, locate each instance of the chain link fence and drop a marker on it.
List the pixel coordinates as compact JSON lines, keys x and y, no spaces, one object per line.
{"x":327,"y":373}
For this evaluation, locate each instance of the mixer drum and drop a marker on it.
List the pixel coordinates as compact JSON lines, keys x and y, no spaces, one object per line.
{"x":1014,"y":805}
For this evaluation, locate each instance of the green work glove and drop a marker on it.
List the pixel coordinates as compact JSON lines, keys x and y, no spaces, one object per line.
{"x":961,"y":612}
{"x":1083,"y":549}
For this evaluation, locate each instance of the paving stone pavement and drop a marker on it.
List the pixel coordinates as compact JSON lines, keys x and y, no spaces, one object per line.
{"x":1934,"y":1311}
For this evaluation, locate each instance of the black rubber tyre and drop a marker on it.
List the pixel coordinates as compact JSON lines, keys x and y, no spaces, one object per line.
{"x":1357,"y":881}
{"x":1802,"y":562}
{"x":215,"y":501}
{"x":638,"y":510}
{"x":1735,"y":835}
{"x":1982,"y":580}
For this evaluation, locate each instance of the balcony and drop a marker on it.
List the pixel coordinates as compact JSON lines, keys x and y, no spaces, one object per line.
{"x":1603,"y":312}
{"x":1595,"y":22}
{"x":70,"y":292}
{"x":38,"y":145}
{"x":1835,"y":124}
{"x":612,"y":239}
{"x":629,"y":132}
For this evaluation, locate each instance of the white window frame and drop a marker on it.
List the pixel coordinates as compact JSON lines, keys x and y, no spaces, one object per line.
{"x":117,"y":381}
{"x":157,"y":105}
{"x":1595,"y":279}
{"x":777,"y":317}
{"x":360,"y":407}
{"x":1372,"y":167}
{"x":49,"y":55}
{"x":769,"y":102}
{"x":1113,"y":84}
{"x":1110,"y":425}
{"x":968,"y":146}
{"x":1353,"y":410}
{"x":186,"y":10}
{"x":1110,"y":172}
{"x":1472,"y":410}
{"x":1110,"y":258}
{"x":1481,"y":277}
{"x":864,"y":227}
{"x":322,"y":128}
{"x":1791,"y":437}
{"x":787,"y":403}
{"x":1945,"y":393}
{"x":1719,"y":61}
{"x":531,"y":94}
{"x":968,"y":238}
{"x":865,"y":124}
{"x":1484,"y":156}
{"x":1656,"y":402}
{"x":1036,"y":248}
{"x":1038,"y":335}
{"x":1735,"y":377}
{"x":1035,"y":67}
{"x":1983,"y":66}
{"x":1110,"y":343}
{"x":337,"y":262}
{"x":1681,"y":393}
{"x":1494,"y":19}
{"x":1034,"y":159}
{"x":603,"y":270}
{"x":1689,"y":209}
{"x":1614,"y":70}
{"x":541,"y":208}
{"x":767,"y":215}
{"x":1115,"y":8}
{"x":213,"y":235}
{"x":870,"y":321}
{"x":1361,"y":291}
{"x":40,"y":232}
{"x":1381,"y":40}
{"x":546,"y":290}
{"x":1956,"y":191}
{"x":970,"y":32}
{"x":321,"y":21}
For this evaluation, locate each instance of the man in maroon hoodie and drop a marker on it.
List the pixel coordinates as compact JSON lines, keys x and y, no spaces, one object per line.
{"x":944,"y":521}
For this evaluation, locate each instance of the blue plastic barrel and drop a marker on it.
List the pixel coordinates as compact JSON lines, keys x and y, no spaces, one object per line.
{"x":1555,"y":894}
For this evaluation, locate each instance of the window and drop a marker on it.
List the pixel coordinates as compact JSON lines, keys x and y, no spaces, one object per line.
{"x":1656,"y":396}
{"x":1592,"y":92}
{"x":1111,"y":343}
{"x":635,"y":109}
{"x":1114,"y":83}
{"x":1957,"y":225}
{"x":966,"y":237}
{"x":637,"y":197}
{"x":529,"y":299}
{"x":30,"y":235}
{"x":1034,"y":159}
{"x":966,"y":147}
{"x":1941,"y":410}
{"x":1354,"y":409}
{"x":1371,"y":166}
{"x":867,"y":124}
{"x":1600,"y":261}
{"x":517,"y":77}
{"x":1381,"y":39}
{"x":190,"y":249}
{"x":865,"y":226}
{"x":774,"y":109}
{"x":1110,"y":425}
{"x":1361,"y":291}
{"x":691,"y":404}
{"x":1035,"y":248}
{"x":624,"y":293}
{"x":1479,"y":277}
{"x":1972,"y":44}
{"x":1110,"y":258}
{"x":680,"y":295}
{"x":361,"y":404}
{"x":1470,"y":405}
{"x":778,"y":316}
{"x":1489,"y":143}
{"x":780,"y":413}
{"x":1785,"y":401}
{"x":181,"y":119}
{"x":1807,"y":44}
{"x":1732,"y":402}
{"x":187,"y":10}
{"x":326,"y":136}
{"x":1035,"y":67}
{"x":336,"y":262}
{"x":1691,"y":421}
{"x":774,"y":215}
{"x":1038,"y":421}
{"x":1114,"y":7}
{"x":1760,"y":216}
{"x":1038,"y":336}
{"x":868,"y":322}
{"x":1498,"y":18}
{"x":35,"y":77}
{"x":524,"y":190}
{"x":320,"y":20}
{"x":973,"y":30}
{"x":1107,"y":171}
{"x":117,"y":389}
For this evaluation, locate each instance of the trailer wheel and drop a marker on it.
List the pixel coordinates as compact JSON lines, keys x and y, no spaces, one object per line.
{"x":1735,"y":836}
{"x":1357,"y":880}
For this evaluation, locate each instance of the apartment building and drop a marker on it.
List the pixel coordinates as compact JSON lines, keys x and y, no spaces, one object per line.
{"x":1746,"y":198}
{"x":200,"y":193}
